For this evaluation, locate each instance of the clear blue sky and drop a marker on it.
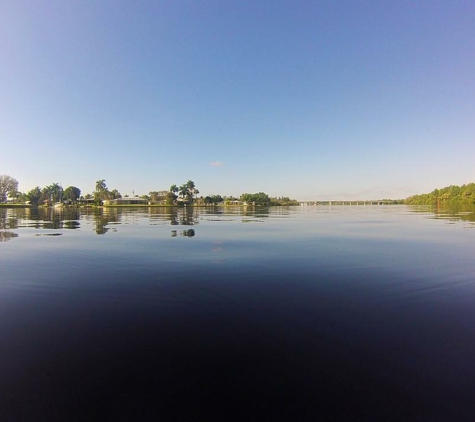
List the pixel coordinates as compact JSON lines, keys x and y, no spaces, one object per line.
{"x":307,"y":99}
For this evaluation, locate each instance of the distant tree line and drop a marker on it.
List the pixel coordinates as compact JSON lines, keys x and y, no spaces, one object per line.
{"x":185,"y":194}
{"x":464,"y":194}
{"x":262,"y":198}
{"x":37,"y":196}
{"x":283,"y":201}
{"x":53,"y":193}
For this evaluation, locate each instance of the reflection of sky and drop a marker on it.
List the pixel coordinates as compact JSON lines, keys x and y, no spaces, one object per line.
{"x":275,"y":223}
{"x":332,"y":238}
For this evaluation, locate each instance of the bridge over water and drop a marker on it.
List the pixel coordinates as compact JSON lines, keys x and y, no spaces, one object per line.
{"x":366,"y":202}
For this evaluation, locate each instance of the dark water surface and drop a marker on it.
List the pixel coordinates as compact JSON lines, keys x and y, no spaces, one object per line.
{"x":305,"y":313}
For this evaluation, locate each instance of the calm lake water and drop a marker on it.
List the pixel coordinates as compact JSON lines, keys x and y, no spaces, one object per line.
{"x":300,"y":313}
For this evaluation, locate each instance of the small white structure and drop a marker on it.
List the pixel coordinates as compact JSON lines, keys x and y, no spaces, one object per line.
{"x":125,"y":201}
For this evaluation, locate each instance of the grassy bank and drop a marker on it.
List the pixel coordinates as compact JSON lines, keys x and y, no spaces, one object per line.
{"x":15,"y":206}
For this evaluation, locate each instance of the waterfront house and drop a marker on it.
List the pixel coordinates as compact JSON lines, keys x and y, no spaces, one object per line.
{"x":125,"y":201}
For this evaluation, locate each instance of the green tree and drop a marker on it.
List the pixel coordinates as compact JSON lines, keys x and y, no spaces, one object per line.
{"x":213,"y":199}
{"x":284,"y":201}
{"x":260,"y":198}
{"x":170,"y":198}
{"x":15,"y":195}
{"x":183,"y":191}
{"x":188,"y":191}
{"x":72,"y":193}
{"x":8,"y":186}
{"x":101,"y":191}
{"x":52,"y":193}
{"x":468,"y":193}
{"x":114,"y":194}
{"x":22,"y":197}
{"x":46,"y":196}
{"x":101,"y":185}
{"x":464,"y":194}
{"x":192,"y":191}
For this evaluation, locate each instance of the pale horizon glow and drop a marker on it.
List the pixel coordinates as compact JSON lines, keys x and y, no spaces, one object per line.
{"x":310,"y":100}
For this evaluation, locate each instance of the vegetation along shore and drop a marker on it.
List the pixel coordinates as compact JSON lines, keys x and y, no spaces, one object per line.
{"x":188,"y":194}
{"x":176,"y":195}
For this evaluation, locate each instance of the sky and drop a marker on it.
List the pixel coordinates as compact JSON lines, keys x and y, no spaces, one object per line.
{"x":314,"y":100}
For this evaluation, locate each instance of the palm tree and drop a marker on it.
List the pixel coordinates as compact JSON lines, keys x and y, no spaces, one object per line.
{"x":187,"y":191}
{"x":191,"y":190}
{"x":101,"y":191}
{"x":183,"y":190}
{"x":101,"y":185}
{"x":52,"y":193}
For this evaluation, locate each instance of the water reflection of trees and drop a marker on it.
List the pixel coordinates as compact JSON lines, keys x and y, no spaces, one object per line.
{"x":6,"y":236}
{"x":255,"y":212}
{"x":186,"y":216}
{"x":188,"y":233}
{"x":107,"y":219}
{"x":40,"y":218}
{"x":185,"y":233}
{"x":103,"y":217}
{"x":451,"y":213}
{"x":62,"y":218}
{"x":7,"y":220}
{"x":176,"y":216}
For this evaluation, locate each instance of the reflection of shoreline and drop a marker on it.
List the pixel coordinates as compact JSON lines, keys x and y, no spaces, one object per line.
{"x":109,"y":219}
{"x":40,"y":218}
{"x":454,"y":213}
{"x":6,"y":236}
{"x":104,"y":217}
